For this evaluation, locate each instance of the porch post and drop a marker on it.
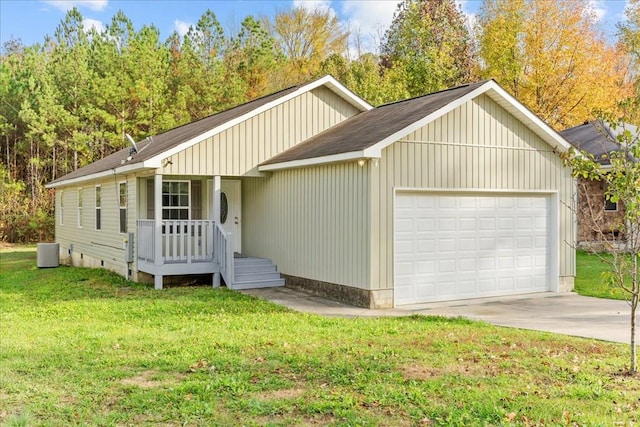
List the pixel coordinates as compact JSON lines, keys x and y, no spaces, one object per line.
{"x":216,"y":218}
{"x":158,"y":260}
{"x":216,"y":198}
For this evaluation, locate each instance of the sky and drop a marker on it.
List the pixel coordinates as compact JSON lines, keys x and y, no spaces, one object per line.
{"x":31,"y":20}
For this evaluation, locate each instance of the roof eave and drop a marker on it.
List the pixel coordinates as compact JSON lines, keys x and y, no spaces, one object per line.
{"x":314,"y":161}
{"x":329,"y":81}
{"x":515,"y":107}
{"x":124,"y":169}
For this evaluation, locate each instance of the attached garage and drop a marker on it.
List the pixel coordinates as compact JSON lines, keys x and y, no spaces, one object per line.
{"x":451,"y":246}
{"x":454,"y":195}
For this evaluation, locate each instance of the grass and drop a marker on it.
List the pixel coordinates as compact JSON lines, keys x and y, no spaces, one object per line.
{"x":589,"y":281}
{"x":85,"y":347}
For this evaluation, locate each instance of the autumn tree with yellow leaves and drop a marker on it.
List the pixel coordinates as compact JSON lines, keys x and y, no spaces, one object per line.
{"x":551,"y":56}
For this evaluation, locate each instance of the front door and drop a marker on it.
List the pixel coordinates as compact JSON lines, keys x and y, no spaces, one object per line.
{"x":230,"y":210}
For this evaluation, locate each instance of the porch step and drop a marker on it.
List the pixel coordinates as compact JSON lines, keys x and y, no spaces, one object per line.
{"x":254,"y":269}
{"x":244,"y":262}
{"x":258,"y":284}
{"x":250,"y":277}
{"x":252,"y":273}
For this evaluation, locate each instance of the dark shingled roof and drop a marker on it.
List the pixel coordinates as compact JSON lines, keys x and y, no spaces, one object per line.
{"x":172,"y":138}
{"x":595,"y":138}
{"x":370,"y":127}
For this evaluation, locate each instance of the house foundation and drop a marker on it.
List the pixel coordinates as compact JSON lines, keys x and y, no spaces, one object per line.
{"x":382,"y":298}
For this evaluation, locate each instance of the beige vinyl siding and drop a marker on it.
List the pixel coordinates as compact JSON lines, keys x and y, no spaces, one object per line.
{"x":241,"y":148}
{"x":479,"y":145}
{"x":312,"y":223}
{"x":105,"y":244}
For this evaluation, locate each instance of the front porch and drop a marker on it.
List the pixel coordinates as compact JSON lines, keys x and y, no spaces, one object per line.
{"x":184,"y":247}
{"x":173,"y":241}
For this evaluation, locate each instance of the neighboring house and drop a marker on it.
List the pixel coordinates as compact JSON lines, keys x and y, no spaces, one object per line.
{"x":600,"y":221}
{"x":458,"y":194}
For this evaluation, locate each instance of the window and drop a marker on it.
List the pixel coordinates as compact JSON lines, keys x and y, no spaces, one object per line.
{"x":61,"y":207}
{"x":175,"y":200}
{"x":80,"y":207}
{"x":123,"y":207}
{"x":609,"y":205}
{"x":224,"y":207}
{"x":98,"y":209}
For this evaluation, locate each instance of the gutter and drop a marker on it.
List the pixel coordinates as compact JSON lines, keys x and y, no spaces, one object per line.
{"x":104,"y":174}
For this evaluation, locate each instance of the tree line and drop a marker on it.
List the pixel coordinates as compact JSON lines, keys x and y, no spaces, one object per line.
{"x":70,"y":100}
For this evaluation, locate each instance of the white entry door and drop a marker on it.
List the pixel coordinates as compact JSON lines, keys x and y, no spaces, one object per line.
{"x":230,"y":211}
{"x":450,"y":247}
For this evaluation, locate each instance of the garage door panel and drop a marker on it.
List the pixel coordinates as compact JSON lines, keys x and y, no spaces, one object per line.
{"x":446,"y":244}
{"x":467,"y":246}
{"x":446,"y":224}
{"x":404,"y":225}
{"x":426,"y":245}
{"x":426,"y":268}
{"x":467,"y":224}
{"x":487,"y":224}
{"x":404,"y":247}
{"x":426,"y":225}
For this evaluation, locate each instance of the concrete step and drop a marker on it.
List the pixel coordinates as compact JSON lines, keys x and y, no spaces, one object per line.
{"x":258,"y":284}
{"x":255,"y":277}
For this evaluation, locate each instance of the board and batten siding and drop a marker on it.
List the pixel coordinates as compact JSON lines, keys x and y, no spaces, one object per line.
{"x":106,"y":244}
{"x":312,"y":222}
{"x":238,"y":150}
{"x":477,"y":146}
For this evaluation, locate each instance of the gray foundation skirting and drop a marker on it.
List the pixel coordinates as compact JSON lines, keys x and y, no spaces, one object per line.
{"x":354,"y":296}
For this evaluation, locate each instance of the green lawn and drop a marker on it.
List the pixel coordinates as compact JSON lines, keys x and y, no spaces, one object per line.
{"x":589,"y":281}
{"x":85,"y":347}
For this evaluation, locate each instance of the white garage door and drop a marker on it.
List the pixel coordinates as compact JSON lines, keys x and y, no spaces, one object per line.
{"x":450,"y":247}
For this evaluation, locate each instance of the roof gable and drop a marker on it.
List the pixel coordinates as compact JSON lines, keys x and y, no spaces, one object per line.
{"x":367,"y":134}
{"x":153,"y":150}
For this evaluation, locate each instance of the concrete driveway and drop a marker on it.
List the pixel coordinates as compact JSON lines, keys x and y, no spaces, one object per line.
{"x":569,"y":313}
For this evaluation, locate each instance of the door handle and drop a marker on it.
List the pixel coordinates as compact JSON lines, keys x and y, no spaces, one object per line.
{"x":236,"y":220}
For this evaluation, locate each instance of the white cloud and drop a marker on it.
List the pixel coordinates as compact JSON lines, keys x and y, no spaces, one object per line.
{"x":181,"y":27}
{"x":88,"y":24}
{"x":312,"y":5}
{"x":471,"y":17}
{"x":598,"y":8}
{"x":65,"y":5}
{"x":370,"y":18}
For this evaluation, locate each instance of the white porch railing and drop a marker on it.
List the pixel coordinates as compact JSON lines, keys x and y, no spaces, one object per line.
{"x":183,"y":241}
{"x":223,"y":253}
{"x":146,"y":240}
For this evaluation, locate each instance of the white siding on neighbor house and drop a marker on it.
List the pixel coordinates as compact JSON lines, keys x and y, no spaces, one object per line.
{"x":312,"y":222}
{"x":479,"y":145}
{"x":241,"y":148}
{"x":105,"y":244}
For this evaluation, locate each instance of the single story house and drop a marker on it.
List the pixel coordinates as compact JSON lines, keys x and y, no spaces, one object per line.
{"x":453,"y":195}
{"x":600,"y":221}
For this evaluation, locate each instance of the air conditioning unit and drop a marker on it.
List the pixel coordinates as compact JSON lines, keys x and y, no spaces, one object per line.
{"x":48,"y":255}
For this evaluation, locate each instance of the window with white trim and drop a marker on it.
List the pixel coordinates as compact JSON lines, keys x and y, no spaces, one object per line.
{"x":79,"y":207}
{"x":98,"y":208}
{"x":122,"y":196}
{"x":175,"y":200}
